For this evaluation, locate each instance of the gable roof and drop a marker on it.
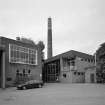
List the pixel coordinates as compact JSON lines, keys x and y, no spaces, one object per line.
{"x":71,"y":53}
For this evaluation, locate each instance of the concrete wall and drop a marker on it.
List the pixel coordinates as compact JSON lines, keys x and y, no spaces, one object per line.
{"x":71,"y":77}
{"x":65,"y":71}
{"x":68,"y":78}
{"x":81,"y":65}
{"x":77,"y":78}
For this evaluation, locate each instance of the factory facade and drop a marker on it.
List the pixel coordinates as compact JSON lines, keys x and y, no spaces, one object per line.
{"x":19,"y":62}
{"x":70,"y":67}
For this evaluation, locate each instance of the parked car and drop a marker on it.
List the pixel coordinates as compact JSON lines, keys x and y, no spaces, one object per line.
{"x":30,"y":84}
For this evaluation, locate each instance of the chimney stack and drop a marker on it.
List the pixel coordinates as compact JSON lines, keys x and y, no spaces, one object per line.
{"x":49,"y":41}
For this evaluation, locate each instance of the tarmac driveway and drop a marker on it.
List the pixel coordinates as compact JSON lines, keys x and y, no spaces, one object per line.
{"x":55,"y":94}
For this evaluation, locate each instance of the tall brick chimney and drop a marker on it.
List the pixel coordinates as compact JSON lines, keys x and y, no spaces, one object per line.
{"x":49,"y":41}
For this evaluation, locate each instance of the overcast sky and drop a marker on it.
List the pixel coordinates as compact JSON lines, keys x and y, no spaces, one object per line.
{"x":77,"y":24}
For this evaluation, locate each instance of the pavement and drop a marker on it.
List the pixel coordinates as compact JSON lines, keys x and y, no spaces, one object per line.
{"x":55,"y":94}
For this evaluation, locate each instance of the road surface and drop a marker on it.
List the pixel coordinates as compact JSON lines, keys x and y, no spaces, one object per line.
{"x":55,"y":94}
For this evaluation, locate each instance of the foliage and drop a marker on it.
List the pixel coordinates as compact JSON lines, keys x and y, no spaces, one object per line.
{"x":27,"y":40}
{"x":41,"y":45}
{"x":100,"y":53}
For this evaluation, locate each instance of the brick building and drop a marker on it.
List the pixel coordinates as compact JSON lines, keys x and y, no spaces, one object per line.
{"x":19,"y":62}
{"x":68,"y":67}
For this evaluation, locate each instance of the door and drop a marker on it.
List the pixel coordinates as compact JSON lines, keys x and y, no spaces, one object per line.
{"x":92,"y":78}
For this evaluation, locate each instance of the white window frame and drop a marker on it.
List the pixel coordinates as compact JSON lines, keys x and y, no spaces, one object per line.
{"x":22,"y":62}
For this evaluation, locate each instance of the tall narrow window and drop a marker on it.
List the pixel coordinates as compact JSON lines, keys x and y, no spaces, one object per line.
{"x":29,"y":71}
{"x":17,"y":72}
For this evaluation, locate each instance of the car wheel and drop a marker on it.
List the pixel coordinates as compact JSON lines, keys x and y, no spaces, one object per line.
{"x":24,"y":88}
{"x":40,"y":86}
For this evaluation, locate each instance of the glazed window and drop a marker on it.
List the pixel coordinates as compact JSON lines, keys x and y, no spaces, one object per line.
{"x":23,"y":55}
{"x":17,"y":72}
{"x":88,"y":60}
{"x":23,"y":71}
{"x":64,"y":75}
{"x":72,"y":63}
{"x":82,"y":73}
{"x":78,"y":73}
{"x":9,"y":79}
{"x":82,"y":59}
{"x":75,"y":73}
{"x":29,"y":71}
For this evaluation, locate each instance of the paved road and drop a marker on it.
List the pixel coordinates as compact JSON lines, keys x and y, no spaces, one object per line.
{"x":55,"y":94}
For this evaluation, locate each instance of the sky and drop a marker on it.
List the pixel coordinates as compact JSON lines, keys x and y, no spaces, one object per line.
{"x":76,"y":24}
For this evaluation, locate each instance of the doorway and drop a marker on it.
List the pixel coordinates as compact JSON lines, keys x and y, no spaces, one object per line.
{"x":92,"y":78}
{"x":51,"y":71}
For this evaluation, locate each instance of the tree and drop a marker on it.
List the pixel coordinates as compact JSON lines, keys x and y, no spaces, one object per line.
{"x":41,"y":46}
{"x":100,"y":53}
{"x":27,"y":40}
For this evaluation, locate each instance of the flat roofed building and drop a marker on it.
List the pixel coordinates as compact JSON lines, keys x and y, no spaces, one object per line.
{"x":68,"y":67}
{"x":19,"y":62}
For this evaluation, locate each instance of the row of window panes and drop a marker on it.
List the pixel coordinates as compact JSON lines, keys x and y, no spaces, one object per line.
{"x":31,"y":60}
{"x":78,"y":73}
{"x":22,"y":49}
{"x":70,"y":63}
{"x":18,"y":48}
{"x":22,"y":54}
{"x":88,"y":60}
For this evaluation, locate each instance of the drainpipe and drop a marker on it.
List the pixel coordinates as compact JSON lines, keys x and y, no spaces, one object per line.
{"x":61,"y":68}
{"x":3,"y":70}
{"x":95,"y":65}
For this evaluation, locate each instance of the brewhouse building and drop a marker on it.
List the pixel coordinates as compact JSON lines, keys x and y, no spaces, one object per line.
{"x":19,"y":62}
{"x":68,"y":67}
